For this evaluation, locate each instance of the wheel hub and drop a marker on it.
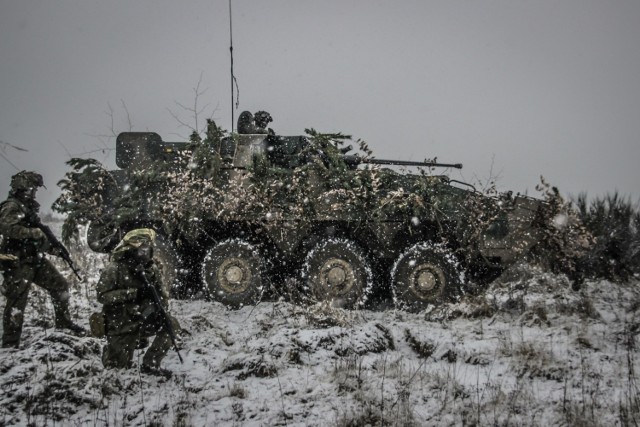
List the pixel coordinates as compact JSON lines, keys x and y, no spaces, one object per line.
{"x":337,"y":276}
{"x":427,"y":280}
{"x":234,"y":275}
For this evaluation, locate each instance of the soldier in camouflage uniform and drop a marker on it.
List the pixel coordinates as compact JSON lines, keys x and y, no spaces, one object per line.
{"x":130,"y":313}
{"x":262,"y":120}
{"x":255,"y":123}
{"x":27,"y":244}
{"x":246,"y":124}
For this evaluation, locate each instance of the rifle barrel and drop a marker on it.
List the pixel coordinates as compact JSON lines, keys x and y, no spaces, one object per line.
{"x":57,"y":244}
{"x":165,"y":315}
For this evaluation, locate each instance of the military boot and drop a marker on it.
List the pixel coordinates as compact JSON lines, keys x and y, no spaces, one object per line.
{"x":63,"y":320}
{"x":143,"y":342}
{"x":71,"y":327}
{"x":158,"y":372}
{"x":10,"y":344}
{"x":74,"y":328}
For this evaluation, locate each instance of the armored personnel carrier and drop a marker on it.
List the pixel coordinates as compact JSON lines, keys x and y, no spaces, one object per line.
{"x":246,"y":214}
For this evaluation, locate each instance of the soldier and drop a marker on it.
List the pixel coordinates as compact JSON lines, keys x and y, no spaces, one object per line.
{"x":255,"y":123}
{"x":246,"y":124}
{"x":27,"y":244}
{"x":262,"y":120}
{"x":130,"y":312}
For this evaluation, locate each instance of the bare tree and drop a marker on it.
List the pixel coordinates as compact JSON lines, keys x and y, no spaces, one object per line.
{"x":4,"y":146}
{"x":105,"y":144}
{"x":104,"y":139}
{"x":488,"y":184}
{"x":195,"y":111}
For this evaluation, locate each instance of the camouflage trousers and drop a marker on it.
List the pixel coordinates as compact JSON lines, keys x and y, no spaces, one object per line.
{"x":118,"y":352}
{"x":17,"y":284}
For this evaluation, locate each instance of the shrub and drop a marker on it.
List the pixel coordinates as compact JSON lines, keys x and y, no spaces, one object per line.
{"x":565,"y":239}
{"x":614,"y":222}
{"x":597,"y":239}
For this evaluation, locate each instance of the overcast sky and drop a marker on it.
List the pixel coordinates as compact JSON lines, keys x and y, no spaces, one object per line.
{"x":512,"y":88}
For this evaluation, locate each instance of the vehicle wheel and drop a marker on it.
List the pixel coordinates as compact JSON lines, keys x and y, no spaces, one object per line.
{"x":102,"y":237}
{"x":232,"y":272}
{"x":337,"y":271}
{"x":425,"y":274}
{"x":167,"y":260}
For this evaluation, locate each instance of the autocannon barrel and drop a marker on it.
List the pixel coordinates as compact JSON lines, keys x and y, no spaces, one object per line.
{"x":356,"y":160}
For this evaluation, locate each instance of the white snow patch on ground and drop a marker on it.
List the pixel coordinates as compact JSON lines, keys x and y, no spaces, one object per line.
{"x":530,"y":351}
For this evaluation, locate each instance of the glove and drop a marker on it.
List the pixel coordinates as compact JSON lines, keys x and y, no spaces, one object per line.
{"x":144,"y":294}
{"x":55,"y":252}
{"x":37,"y":234}
{"x":142,"y":271}
{"x":41,"y":242}
{"x":149,"y":314}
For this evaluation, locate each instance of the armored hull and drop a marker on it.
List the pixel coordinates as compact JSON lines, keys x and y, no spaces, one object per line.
{"x":248,"y":214}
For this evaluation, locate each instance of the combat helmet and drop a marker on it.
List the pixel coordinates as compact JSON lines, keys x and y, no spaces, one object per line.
{"x":262,"y":119}
{"x":136,"y":238}
{"x":26,"y":180}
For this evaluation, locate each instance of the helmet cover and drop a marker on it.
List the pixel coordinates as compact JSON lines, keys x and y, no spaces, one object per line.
{"x":26,"y":180}
{"x":136,"y":238}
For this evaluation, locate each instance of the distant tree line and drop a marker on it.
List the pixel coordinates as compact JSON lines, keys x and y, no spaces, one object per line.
{"x":614,"y":221}
{"x":591,"y":239}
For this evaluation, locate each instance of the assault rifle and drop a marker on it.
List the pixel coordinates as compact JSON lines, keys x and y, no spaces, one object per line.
{"x":58,"y":247}
{"x":163,"y":313}
{"x":354,"y":161}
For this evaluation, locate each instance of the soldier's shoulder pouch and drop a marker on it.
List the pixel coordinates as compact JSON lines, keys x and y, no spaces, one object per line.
{"x":7,"y":261}
{"x":98,"y":324}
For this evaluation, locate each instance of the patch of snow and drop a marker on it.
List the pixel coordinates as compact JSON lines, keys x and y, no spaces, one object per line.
{"x":530,"y":350}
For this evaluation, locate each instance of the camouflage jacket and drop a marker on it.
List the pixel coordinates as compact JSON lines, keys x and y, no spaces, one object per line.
{"x":118,"y":292}
{"x":20,"y":235}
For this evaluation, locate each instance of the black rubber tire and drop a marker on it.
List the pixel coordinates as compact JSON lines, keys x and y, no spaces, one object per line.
{"x":232,"y":272}
{"x":424,"y":275}
{"x":337,"y":270}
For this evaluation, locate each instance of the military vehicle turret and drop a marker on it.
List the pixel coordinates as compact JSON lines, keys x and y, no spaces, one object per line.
{"x":245,"y":214}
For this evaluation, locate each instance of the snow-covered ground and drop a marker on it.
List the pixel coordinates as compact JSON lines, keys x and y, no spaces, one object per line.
{"x":530,"y":351}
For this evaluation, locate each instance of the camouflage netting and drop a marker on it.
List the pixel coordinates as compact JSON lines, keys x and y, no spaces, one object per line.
{"x":186,"y":194}
{"x":189,"y":190}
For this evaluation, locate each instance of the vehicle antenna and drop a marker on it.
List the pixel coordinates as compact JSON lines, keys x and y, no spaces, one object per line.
{"x":233,"y":78}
